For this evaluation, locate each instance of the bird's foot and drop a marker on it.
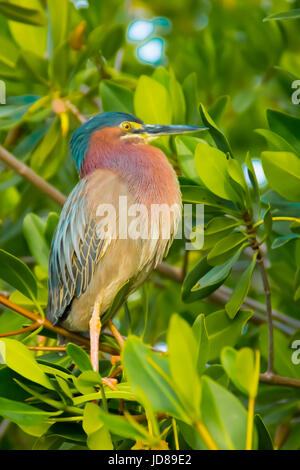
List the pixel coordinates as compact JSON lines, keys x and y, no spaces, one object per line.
{"x":116,"y":334}
{"x":110,"y":382}
{"x":114,"y":360}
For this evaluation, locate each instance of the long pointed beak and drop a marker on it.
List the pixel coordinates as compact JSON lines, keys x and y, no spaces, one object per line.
{"x":158,"y":130}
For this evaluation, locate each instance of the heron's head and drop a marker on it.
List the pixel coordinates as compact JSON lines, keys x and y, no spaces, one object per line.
{"x":122,"y":127}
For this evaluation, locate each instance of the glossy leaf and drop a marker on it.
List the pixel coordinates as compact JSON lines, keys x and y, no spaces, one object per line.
{"x":204,"y":279}
{"x":98,"y":435}
{"x":219,"y":408}
{"x":224,"y":332}
{"x":200,"y":331}
{"x":150,"y":372}
{"x":17,"y":274}
{"x":182,"y":352}
{"x":116,"y":98}
{"x":218,"y":136}
{"x":241,"y":290}
{"x":16,"y":12}
{"x":286,"y":15}
{"x":21,"y":360}
{"x":282,"y":170}
{"x":21,"y":413}
{"x":80,"y":357}
{"x":33,"y":228}
{"x":226,"y":248}
{"x":242,"y":367}
{"x":212,"y":168}
{"x":152,"y":102}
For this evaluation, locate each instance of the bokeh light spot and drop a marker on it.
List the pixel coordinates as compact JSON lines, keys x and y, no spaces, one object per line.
{"x":152,"y":51}
{"x":139,"y":30}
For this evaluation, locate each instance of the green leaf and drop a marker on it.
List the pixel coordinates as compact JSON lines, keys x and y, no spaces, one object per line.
{"x":283,"y":364}
{"x":50,"y":227}
{"x":236,"y":173}
{"x":204,"y":279}
{"x":224,"y":332}
{"x":281,"y":241}
{"x":182,"y":352}
{"x":218,"y":136}
{"x":34,"y":66}
{"x":240,"y":290}
{"x":15,"y":12}
{"x":36,"y":37}
{"x":218,"y":108}
{"x":116,"y":98}
{"x":59,"y":22}
{"x":264,"y":438}
{"x":150,"y":372}
{"x":275,"y":141}
{"x":185,"y":148}
{"x":218,"y":374}
{"x":216,"y":229}
{"x":242,"y":367}
{"x":88,"y":382}
{"x":200,"y":331}
{"x":190,"y":88}
{"x":117,"y":303}
{"x":282,"y":170}
{"x":286,"y":126}
{"x":21,"y":360}
{"x":80,"y":357}
{"x":226,"y":248}
{"x":286,"y":15}
{"x":177,"y":99}
{"x":40,"y":156}
{"x":17,"y":274}
{"x":199,"y":195}
{"x":98,"y":435}
{"x":122,"y":427}
{"x":223,"y":415}
{"x":212,"y":168}
{"x":33,"y":228}
{"x":106,"y":40}
{"x":21,"y":413}
{"x":60,"y":66}
{"x":151,"y":102}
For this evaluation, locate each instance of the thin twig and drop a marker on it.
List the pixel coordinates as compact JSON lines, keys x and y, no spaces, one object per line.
{"x":273,"y":379}
{"x":266,"y":286}
{"x":32,"y":327}
{"x":267,"y":290}
{"x":26,"y":172}
{"x":48,"y":348}
{"x":55,"y":328}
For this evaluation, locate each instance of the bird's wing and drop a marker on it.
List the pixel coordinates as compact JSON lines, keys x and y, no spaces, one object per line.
{"x":77,"y":247}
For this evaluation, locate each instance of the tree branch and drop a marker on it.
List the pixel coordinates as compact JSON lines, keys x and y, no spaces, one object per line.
{"x":26,"y":172}
{"x":260,"y":262}
{"x":59,"y":330}
{"x":273,"y":379}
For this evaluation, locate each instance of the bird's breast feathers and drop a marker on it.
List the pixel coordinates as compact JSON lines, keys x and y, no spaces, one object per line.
{"x":107,"y":234}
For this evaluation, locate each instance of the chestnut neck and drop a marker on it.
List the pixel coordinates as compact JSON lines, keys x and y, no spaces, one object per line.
{"x":145,"y":169}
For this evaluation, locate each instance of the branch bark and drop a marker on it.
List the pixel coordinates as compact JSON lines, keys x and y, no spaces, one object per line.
{"x":59,"y":330}
{"x":26,"y":172}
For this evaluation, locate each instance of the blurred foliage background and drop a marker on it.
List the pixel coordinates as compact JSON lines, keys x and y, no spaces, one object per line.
{"x":62,"y":61}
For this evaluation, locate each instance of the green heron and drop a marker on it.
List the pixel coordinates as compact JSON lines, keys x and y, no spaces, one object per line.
{"x":90,"y":259}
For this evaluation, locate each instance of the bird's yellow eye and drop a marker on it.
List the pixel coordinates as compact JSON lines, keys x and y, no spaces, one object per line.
{"x":126,"y":126}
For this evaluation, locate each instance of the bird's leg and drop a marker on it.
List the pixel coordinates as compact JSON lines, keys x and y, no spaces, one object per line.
{"x":117,"y":335}
{"x":95,"y":328}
